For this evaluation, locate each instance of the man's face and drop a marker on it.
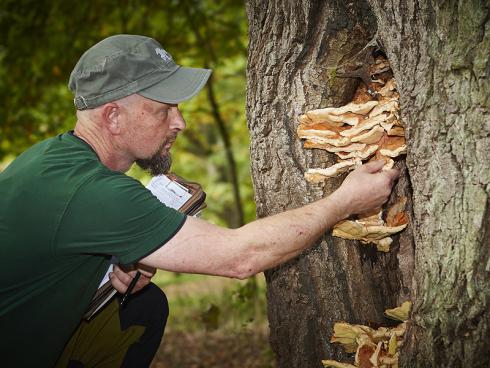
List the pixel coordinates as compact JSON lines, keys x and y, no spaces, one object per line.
{"x":156,"y":126}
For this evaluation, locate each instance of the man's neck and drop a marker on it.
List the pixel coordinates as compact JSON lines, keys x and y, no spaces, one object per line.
{"x":103,"y":148}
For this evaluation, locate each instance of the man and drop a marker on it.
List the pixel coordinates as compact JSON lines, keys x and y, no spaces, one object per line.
{"x":66,"y":208}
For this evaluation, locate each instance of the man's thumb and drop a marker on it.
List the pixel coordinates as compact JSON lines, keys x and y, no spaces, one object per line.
{"x":374,"y":166}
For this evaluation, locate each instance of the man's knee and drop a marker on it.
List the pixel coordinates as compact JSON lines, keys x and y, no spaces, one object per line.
{"x":148,"y":307}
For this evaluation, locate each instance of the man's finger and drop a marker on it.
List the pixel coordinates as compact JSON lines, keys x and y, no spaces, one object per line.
{"x":142,"y":282}
{"x":146,"y":270}
{"x":117,"y":283}
{"x":374,"y":166}
{"x":393,"y":173}
{"x":125,"y":277}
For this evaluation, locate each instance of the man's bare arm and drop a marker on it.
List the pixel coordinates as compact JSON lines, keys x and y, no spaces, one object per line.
{"x":200,"y":247}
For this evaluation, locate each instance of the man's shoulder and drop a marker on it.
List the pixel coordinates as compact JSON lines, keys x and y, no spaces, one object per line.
{"x":109,"y":188}
{"x":60,"y":164}
{"x":58,"y":152}
{"x":105,"y":178}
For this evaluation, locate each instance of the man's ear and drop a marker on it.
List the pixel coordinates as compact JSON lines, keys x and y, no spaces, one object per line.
{"x":112,"y":116}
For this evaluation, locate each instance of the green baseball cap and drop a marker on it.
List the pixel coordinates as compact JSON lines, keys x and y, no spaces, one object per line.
{"x":122,"y":65}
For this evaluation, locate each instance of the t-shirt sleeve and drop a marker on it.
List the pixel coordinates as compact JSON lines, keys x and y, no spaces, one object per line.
{"x":116,"y":215}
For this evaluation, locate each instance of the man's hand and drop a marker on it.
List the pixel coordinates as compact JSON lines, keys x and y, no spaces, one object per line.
{"x":366,"y":188}
{"x":121,"y":279}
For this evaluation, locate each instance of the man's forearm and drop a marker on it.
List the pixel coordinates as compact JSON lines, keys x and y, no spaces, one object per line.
{"x":200,"y":247}
{"x":273,"y":240}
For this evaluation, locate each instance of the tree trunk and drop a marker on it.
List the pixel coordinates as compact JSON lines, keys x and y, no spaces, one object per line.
{"x":439,"y":54}
{"x":293,"y":46}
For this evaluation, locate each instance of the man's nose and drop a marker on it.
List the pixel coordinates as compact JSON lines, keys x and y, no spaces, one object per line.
{"x":178,"y":121}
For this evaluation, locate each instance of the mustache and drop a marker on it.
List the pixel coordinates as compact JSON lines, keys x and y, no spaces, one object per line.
{"x":171,"y":139}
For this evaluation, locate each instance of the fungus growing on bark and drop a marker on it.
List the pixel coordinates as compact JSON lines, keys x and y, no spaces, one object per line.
{"x":369,"y":137}
{"x":372,"y":228}
{"x":349,"y":112}
{"x":395,"y":215}
{"x":365,"y":124}
{"x":335,"y":364}
{"x":373,"y":348}
{"x":368,"y":128}
{"x":400,"y":313}
{"x":362,"y":154}
{"x":390,"y":146}
{"x":354,"y":147}
{"x":319,"y":175}
{"x":397,"y":130}
{"x":355,"y":230}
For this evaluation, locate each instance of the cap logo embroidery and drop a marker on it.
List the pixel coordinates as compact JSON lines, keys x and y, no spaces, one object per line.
{"x":163,"y":54}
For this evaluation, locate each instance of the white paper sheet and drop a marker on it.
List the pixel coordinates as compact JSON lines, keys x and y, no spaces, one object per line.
{"x":168,"y":192}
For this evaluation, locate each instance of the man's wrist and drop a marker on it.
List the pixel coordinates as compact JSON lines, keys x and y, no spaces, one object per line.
{"x":340,"y":206}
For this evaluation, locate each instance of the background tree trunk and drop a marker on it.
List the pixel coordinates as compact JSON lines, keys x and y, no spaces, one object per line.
{"x":439,"y":53}
{"x":293,"y":46}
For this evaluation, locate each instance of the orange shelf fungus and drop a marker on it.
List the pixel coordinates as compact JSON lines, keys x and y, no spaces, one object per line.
{"x":368,"y":128}
{"x":371,"y":228}
{"x":319,"y":175}
{"x":400,"y":313}
{"x":373,"y":348}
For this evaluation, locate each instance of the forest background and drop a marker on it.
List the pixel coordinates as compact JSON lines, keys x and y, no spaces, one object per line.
{"x":40,"y":42}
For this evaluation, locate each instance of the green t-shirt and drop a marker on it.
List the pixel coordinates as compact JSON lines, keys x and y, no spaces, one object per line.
{"x":63,"y":215}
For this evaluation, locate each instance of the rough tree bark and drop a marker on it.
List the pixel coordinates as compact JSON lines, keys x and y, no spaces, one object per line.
{"x":292,"y":47}
{"x":439,"y":52}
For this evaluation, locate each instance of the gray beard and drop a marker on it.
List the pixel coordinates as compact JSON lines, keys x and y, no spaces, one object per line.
{"x":157,"y":164}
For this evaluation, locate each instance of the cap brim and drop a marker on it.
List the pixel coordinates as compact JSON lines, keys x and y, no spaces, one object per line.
{"x":183,"y":84}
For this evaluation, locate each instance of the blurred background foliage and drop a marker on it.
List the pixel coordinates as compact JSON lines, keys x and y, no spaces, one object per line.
{"x":41,"y":40}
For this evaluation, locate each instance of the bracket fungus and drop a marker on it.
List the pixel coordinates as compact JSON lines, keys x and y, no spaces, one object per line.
{"x":374,"y":348}
{"x":318,"y":175}
{"x":367,"y":128}
{"x":372,"y":228}
{"x":400,"y":313}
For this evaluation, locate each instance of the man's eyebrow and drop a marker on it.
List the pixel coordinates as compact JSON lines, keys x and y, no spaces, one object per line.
{"x":152,"y":108}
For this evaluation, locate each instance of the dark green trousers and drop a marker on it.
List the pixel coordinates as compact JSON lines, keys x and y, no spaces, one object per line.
{"x":127,"y":336}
